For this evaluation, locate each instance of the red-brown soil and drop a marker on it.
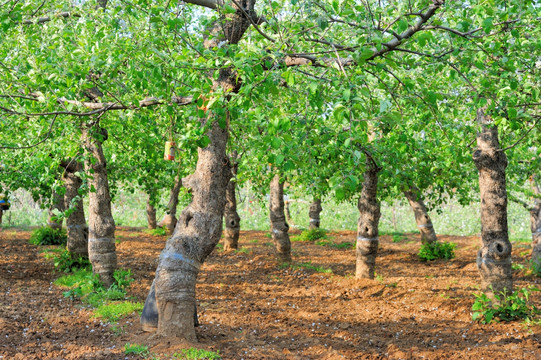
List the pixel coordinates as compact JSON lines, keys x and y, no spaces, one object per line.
{"x":252,"y":308}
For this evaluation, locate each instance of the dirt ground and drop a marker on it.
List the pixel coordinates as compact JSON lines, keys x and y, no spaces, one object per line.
{"x":250,"y":307}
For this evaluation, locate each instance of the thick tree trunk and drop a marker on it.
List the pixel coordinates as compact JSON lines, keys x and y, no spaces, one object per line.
{"x":151,"y":215}
{"x":200,"y":225}
{"x":170,"y":219}
{"x":58,"y":204}
{"x":367,"y":227}
{"x":494,"y":257}
{"x":101,"y":235}
{"x":232,"y":218}
{"x":77,"y":230}
{"x":314,"y":213}
{"x":279,"y":226}
{"x":424,"y":224}
{"x":535,"y":225}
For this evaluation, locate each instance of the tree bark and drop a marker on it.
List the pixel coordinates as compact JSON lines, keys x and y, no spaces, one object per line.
{"x":314,"y":213}
{"x":58,"y":203}
{"x":232,"y":218}
{"x":424,"y":224}
{"x":77,"y":230}
{"x":151,"y":215}
{"x":101,"y":235}
{"x":200,"y":225}
{"x":367,"y":227}
{"x":535,"y":224}
{"x":1,"y":215}
{"x":494,"y":257}
{"x":279,"y":226}
{"x":170,"y":219}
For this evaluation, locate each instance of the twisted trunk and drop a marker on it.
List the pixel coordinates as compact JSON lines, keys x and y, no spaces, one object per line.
{"x":232,"y":218}
{"x":367,"y":227}
{"x":58,"y":204}
{"x":314,"y":213}
{"x":170,"y":219}
{"x":494,"y":257}
{"x":428,"y":234}
{"x":101,"y":234}
{"x":279,"y":226}
{"x":151,"y":215}
{"x":77,"y":230}
{"x":535,"y":225}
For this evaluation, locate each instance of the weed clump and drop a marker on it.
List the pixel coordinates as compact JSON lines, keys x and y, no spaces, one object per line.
{"x":48,"y":236}
{"x":505,"y":307}
{"x":312,"y":235}
{"x":69,"y":262}
{"x":437,"y":250}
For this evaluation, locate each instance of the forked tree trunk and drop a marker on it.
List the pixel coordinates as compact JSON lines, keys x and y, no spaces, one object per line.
{"x":314,"y":213}
{"x":279,"y":226}
{"x":494,"y":257}
{"x":367,"y":227}
{"x":58,"y":204}
{"x":232,"y":218}
{"x":76,"y":227}
{"x":151,"y":215}
{"x":535,"y":225}
{"x":101,"y":235}
{"x":170,"y":219}
{"x":424,"y":224}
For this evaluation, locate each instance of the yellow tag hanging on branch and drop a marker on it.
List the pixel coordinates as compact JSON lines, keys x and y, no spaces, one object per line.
{"x":170,"y":149}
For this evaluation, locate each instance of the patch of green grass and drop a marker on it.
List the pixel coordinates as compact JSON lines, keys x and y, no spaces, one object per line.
{"x":48,"y":236}
{"x":141,"y":350}
{"x":159,"y":231}
{"x":113,"y":311}
{"x":516,"y":266}
{"x":197,"y":354}
{"x":505,"y":307}
{"x":69,"y":262}
{"x":253,"y":241}
{"x":50,"y":253}
{"x":313,"y":235}
{"x":437,"y":250}
{"x":219,"y":247}
{"x":308,"y":266}
{"x":398,"y":238}
{"x":242,"y":250}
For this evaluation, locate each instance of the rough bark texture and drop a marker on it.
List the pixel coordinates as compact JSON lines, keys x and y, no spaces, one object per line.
{"x":1,"y":215}
{"x":151,"y":215}
{"x":494,"y":257}
{"x":170,"y":219}
{"x":101,"y":235}
{"x":77,"y":230}
{"x":424,"y":224}
{"x":200,"y":225}
{"x":367,"y":227}
{"x":315,"y":210}
{"x":535,"y":225}
{"x":232,"y":218}
{"x":58,"y":204}
{"x":279,"y":226}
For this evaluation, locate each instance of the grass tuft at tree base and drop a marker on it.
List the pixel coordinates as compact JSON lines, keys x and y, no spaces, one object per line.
{"x":505,"y":307}
{"x":141,"y":350}
{"x":311,"y":235}
{"x":48,"y":236}
{"x":68,"y":262}
{"x":437,"y":250}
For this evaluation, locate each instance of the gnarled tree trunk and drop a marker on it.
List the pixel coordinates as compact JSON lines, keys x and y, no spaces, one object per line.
{"x":494,"y":257}
{"x":232,"y":218}
{"x":77,"y":230}
{"x":200,"y":225}
{"x":151,"y":215}
{"x":424,"y":224}
{"x":58,"y":204}
{"x":535,"y":224}
{"x":314,"y":213}
{"x":170,"y":219}
{"x":367,"y":227}
{"x":279,"y":226}
{"x":101,"y":234}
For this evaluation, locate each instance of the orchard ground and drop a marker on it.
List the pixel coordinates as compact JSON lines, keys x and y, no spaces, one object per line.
{"x":251,"y":307}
